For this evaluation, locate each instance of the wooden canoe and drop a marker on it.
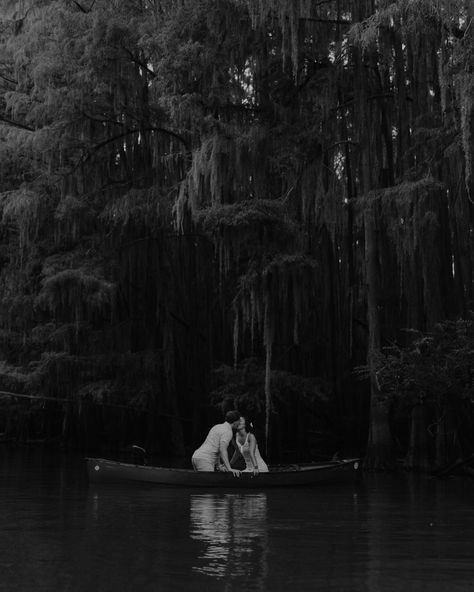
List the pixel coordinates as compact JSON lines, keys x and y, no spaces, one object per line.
{"x":101,"y":470}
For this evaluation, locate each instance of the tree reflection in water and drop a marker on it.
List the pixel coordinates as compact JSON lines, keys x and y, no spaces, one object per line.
{"x":234,"y":529}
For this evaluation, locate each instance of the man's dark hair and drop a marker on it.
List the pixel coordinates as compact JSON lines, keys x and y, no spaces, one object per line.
{"x":232,"y":416}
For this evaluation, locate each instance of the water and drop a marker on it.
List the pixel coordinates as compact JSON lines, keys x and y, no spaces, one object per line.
{"x":389,"y":533}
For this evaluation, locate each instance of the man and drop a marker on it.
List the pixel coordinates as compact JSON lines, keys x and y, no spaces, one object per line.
{"x":215,"y":445}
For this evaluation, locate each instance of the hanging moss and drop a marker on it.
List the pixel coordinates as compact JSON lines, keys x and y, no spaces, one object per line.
{"x":413,"y":18}
{"x":288,"y":14}
{"x":258,"y":295}
{"x":282,"y":289}
{"x":27,"y":209}
{"x":247,"y":227}
{"x":411,"y":216}
{"x":72,"y":218}
{"x":246,"y":214}
{"x":73,"y":292}
{"x":261,"y":122}
{"x":228,"y":165}
{"x":465,"y":88}
{"x":138,"y":207}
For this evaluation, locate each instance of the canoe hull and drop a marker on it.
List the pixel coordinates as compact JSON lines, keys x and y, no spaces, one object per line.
{"x":108,"y":471}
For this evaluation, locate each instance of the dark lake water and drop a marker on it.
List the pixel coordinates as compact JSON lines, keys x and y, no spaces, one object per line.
{"x":398,"y":532}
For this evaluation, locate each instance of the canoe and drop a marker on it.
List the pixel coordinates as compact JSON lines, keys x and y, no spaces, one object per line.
{"x":102,"y":471}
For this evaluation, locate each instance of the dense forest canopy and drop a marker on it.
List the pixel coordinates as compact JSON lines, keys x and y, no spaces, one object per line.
{"x":267,"y":205}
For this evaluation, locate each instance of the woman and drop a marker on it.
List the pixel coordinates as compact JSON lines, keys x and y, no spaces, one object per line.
{"x":246,"y":445}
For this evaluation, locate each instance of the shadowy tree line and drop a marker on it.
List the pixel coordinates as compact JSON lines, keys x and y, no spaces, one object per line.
{"x":215,"y":204}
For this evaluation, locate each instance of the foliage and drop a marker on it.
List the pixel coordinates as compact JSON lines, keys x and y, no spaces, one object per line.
{"x":434,"y":366}
{"x":242,"y":387}
{"x":189,"y":183}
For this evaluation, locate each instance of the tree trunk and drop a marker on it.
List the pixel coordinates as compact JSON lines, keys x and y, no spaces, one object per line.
{"x":379,"y":454}
{"x":447,"y":442}
{"x":417,"y":456}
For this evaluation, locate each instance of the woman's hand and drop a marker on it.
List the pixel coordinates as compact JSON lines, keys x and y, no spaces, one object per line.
{"x":235,"y":472}
{"x":255,"y":471}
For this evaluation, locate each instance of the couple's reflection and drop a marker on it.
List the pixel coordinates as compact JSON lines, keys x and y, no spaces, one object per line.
{"x":234,"y":528}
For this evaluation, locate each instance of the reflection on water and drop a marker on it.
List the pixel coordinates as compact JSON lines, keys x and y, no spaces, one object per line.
{"x":233,"y":528}
{"x":391,"y":533}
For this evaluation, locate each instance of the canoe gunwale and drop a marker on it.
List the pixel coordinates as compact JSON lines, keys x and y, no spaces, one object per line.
{"x":104,"y":470}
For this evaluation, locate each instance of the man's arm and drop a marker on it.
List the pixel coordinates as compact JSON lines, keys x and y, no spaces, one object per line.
{"x":225,"y":457}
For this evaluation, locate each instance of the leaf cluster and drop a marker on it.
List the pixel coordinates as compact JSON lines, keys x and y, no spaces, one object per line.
{"x":436,"y":365}
{"x":242,"y":387}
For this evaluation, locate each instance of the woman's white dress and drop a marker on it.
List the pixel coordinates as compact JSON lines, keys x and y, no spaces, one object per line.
{"x":245,"y":452}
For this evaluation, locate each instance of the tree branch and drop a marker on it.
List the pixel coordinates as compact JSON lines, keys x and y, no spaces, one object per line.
{"x":342,"y":105}
{"x":329,"y":21}
{"x":11,"y":81}
{"x":353,"y":142}
{"x":380,"y":96}
{"x":138,"y":62}
{"x":81,"y":8}
{"x":16,"y":123}
{"x":100,"y":145}
{"x":101,"y":120}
